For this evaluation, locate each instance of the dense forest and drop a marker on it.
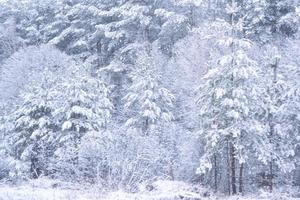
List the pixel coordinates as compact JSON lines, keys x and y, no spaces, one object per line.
{"x":123,"y":93}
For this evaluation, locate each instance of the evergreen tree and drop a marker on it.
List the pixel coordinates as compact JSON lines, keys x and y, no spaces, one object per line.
{"x":27,"y":80}
{"x":9,"y":40}
{"x":149,"y":101}
{"x":230,"y":100}
{"x":281,"y":114}
{"x":83,"y":106}
{"x":268,"y":19}
{"x":31,"y":139}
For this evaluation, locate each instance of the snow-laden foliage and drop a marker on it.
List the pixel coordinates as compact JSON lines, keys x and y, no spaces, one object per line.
{"x":147,"y":98}
{"x":82,"y":106}
{"x":135,"y":95}
{"x":9,"y":40}
{"x":27,"y":64}
{"x":34,"y":128}
{"x":230,"y":100}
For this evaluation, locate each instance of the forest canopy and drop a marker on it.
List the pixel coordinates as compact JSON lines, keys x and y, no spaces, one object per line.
{"x":121,"y":93}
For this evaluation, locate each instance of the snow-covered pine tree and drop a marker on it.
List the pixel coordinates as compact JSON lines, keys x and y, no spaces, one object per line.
{"x":32,"y":72}
{"x":229,"y":101}
{"x":83,"y":106}
{"x":5,"y":157}
{"x":290,"y":62}
{"x":31,"y":138}
{"x":9,"y":41}
{"x":280,"y":17}
{"x":92,"y":155}
{"x":147,"y":99}
{"x":282,"y":105}
{"x":174,"y":27}
{"x":149,"y":106}
{"x":268,"y":19}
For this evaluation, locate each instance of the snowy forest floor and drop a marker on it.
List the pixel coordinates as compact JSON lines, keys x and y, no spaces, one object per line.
{"x":44,"y":189}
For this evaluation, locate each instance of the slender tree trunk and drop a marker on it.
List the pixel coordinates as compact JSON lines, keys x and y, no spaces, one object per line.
{"x":228,"y":168}
{"x":241,"y":185}
{"x":99,"y":52}
{"x":232,"y":166}
{"x":271,"y":176}
{"x":215,"y":173}
{"x":172,"y":160}
{"x":146,"y":127}
{"x":33,"y":168}
{"x":272,"y":125}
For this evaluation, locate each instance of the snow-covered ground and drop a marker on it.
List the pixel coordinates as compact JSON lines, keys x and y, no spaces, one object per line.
{"x":162,"y":190}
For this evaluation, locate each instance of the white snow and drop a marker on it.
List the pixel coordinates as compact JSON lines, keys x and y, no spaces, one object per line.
{"x":45,"y":189}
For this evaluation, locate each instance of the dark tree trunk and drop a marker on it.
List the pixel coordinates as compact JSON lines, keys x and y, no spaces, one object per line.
{"x":271,"y":176}
{"x":34,"y":170}
{"x":232,"y":166}
{"x":145,"y":128}
{"x":228,"y":168}
{"x":272,"y":125}
{"x":215,"y":173}
{"x":241,"y":185}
